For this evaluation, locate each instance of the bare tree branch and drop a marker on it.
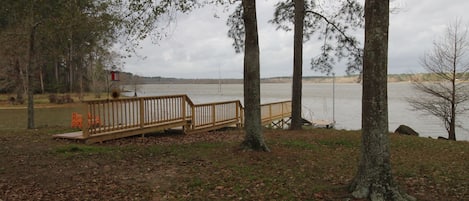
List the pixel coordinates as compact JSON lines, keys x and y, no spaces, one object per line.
{"x":448,"y":60}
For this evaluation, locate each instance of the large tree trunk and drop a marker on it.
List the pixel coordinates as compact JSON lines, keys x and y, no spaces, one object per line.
{"x":254,"y":138}
{"x":296,"y":121}
{"x":374,"y":179}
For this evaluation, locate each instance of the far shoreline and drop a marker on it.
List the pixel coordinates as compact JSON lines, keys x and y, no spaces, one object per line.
{"x":307,"y":79}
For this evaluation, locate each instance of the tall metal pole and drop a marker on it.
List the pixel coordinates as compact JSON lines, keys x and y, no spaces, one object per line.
{"x":333,"y":97}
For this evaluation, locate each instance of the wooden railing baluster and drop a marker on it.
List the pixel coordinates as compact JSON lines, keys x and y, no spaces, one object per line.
{"x":132,"y":114}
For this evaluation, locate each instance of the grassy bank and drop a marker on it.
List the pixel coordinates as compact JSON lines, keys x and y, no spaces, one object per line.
{"x":303,"y":165}
{"x":46,"y":114}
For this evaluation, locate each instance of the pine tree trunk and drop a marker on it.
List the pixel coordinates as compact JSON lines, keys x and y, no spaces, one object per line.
{"x":296,"y":121}
{"x":254,"y":139}
{"x":374,"y":179}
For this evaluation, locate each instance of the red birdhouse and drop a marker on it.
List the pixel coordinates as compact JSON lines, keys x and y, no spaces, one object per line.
{"x":114,"y":75}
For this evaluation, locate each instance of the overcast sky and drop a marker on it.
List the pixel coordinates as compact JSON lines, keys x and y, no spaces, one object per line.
{"x":198,"y":46}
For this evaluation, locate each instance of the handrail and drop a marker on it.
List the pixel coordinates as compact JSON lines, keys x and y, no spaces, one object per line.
{"x":275,"y":111}
{"x":134,"y":113}
{"x":216,"y":114}
{"x":143,"y":112}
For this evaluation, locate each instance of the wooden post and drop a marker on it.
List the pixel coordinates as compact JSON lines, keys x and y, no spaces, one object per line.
{"x":238,"y":119}
{"x":85,"y":126}
{"x":214,"y":119}
{"x":241,"y":109}
{"x":193,"y":117}
{"x":142,"y":112}
{"x":283,"y":116}
{"x":183,"y":112}
{"x":270,"y":112}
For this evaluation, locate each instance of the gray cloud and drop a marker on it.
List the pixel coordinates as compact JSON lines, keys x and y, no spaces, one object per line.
{"x":198,"y":46}
{"x":414,"y":28}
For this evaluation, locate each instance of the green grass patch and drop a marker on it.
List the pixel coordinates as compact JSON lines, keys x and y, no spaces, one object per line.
{"x":77,"y":149}
{"x":299,"y":144}
{"x":337,"y":143}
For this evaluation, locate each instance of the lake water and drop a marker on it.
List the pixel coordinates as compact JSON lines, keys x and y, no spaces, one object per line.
{"x":318,"y":103}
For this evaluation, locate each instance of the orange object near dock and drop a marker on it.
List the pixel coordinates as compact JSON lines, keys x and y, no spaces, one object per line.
{"x":77,"y":120}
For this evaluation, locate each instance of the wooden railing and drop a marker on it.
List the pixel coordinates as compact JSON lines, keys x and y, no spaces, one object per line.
{"x":217,"y":114}
{"x":275,"y":111}
{"x":133,"y":113}
{"x":126,"y":114}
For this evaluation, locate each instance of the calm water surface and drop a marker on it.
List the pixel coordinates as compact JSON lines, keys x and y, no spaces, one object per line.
{"x":318,"y":103}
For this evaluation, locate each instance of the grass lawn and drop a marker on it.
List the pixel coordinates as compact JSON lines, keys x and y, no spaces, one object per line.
{"x":14,"y":116}
{"x":303,"y":165}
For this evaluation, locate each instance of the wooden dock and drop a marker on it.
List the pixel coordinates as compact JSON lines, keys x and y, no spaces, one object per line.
{"x":118,"y":118}
{"x":323,"y":123}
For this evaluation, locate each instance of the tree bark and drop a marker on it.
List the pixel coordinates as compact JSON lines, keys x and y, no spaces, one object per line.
{"x":70,"y":63}
{"x":57,"y":81}
{"x":452,"y":126}
{"x":41,"y":79}
{"x":29,"y":77}
{"x":22,"y":86}
{"x":296,"y":121}
{"x":254,"y":139}
{"x":374,"y":179}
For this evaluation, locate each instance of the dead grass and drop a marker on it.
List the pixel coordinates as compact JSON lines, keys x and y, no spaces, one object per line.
{"x":303,"y":165}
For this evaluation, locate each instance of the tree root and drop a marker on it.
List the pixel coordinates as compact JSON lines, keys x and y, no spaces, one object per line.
{"x":254,"y":145}
{"x":379,"y":192}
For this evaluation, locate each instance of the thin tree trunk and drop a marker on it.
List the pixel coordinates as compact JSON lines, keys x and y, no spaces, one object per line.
{"x":374,"y":179}
{"x":70,"y":46}
{"x":29,"y":77}
{"x":90,"y":74}
{"x":296,"y":121}
{"x":57,"y":81}
{"x":41,"y":79}
{"x":21,"y":83}
{"x":452,"y":126}
{"x":70,"y":61}
{"x":253,"y":138}
{"x":80,"y":74}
